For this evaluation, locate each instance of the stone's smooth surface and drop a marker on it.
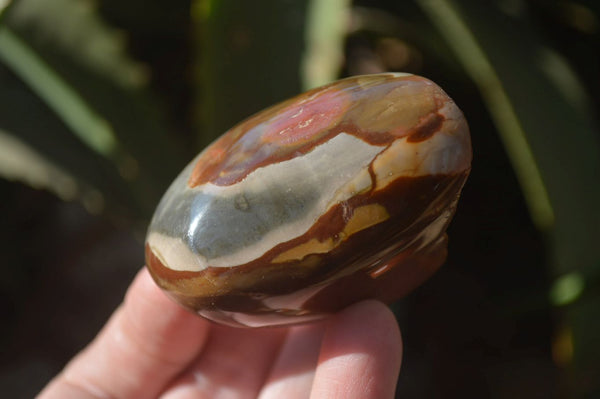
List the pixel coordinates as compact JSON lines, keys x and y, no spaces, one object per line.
{"x":340,"y":194}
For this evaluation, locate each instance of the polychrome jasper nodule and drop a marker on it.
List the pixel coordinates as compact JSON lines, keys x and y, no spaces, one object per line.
{"x":340,"y":194}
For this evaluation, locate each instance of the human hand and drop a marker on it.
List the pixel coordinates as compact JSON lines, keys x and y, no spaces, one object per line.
{"x":151,"y":347}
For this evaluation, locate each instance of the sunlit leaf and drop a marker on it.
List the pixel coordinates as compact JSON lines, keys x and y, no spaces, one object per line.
{"x":76,"y":28}
{"x":90,"y":127}
{"x":475,"y":60}
{"x":567,"y":289}
{"x":550,"y":138}
{"x":22,"y":163}
{"x":541,"y":111}
{"x":74,"y":62}
{"x":249,"y":58}
{"x":327,"y":24}
{"x":42,"y":138}
{"x":3,"y":5}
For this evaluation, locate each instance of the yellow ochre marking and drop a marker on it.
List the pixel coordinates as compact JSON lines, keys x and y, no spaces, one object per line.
{"x":362,"y":218}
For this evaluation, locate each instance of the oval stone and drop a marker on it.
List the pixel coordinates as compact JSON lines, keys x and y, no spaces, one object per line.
{"x":340,"y":194}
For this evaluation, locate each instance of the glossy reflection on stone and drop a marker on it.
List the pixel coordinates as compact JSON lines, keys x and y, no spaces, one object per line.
{"x":340,"y":194}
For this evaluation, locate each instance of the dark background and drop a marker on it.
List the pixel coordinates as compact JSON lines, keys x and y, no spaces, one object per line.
{"x":482,"y":327}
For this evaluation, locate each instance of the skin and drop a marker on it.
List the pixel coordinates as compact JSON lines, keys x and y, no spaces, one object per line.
{"x":151,"y":347}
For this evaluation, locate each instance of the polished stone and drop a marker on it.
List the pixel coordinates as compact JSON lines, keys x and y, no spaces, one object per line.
{"x":340,"y":194}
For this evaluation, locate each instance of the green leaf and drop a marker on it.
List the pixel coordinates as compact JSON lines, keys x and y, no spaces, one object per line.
{"x":251,"y":54}
{"x":76,"y":28}
{"x":77,"y":65}
{"x":462,"y":39}
{"x":327,"y":23}
{"x":542,"y":113}
{"x":90,"y":127}
{"x":551,"y":138}
{"x":20,"y":162}
{"x":34,"y":139}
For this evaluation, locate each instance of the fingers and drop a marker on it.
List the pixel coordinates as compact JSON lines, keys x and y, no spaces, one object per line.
{"x":235,"y":364}
{"x":293,"y":371}
{"x":150,"y":340}
{"x":147,"y":341}
{"x":360,"y":355}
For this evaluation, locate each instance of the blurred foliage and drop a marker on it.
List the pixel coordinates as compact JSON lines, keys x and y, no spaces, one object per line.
{"x":241,"y":44}
{"x":543,"y":115}
{"x":103,"y":103}
{"x":71,"y":70}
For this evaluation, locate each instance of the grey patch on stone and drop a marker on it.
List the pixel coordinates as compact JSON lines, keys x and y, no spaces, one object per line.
{"x":224,"y":225}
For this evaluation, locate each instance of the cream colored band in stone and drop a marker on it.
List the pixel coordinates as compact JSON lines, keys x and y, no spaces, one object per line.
{"x":340,"y":165}
{"x":335,"y":164}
